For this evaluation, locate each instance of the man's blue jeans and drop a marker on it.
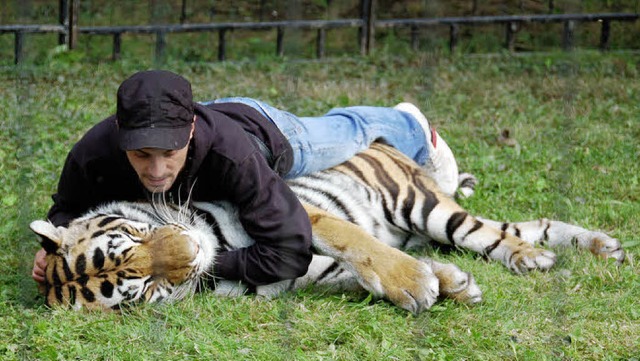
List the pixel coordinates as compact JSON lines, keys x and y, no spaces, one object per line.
{"x":322,"y":142}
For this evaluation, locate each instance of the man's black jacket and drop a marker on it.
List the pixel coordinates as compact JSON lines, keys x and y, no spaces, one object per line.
{"x":223,"y":163}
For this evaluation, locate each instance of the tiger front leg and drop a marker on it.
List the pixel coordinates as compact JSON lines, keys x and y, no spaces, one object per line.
{"x":382,"y":270}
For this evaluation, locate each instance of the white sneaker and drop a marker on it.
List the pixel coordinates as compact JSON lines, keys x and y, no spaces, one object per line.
{"x":441,"y":165}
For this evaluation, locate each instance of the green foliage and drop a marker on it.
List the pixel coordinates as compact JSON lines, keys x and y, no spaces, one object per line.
{"x":575,"y":130}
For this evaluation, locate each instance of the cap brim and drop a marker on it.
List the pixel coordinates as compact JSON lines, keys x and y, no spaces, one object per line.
{"x":161,"y":138}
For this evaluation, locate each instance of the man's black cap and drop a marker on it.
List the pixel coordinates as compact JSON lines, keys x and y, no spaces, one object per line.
{"x":154,"y":110}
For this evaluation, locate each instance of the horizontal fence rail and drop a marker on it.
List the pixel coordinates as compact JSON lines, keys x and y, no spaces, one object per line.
{"x":190,"y":28}
{"x":32,"y":29}
{"x":19,"y":32}
{"x":222,"y":28}
{"x":478,"y":20}
{"x":366,"y":26}
{"x":512,"y":22}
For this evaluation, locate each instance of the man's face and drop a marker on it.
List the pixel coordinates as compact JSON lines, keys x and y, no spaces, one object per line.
{"x":157,"y":168}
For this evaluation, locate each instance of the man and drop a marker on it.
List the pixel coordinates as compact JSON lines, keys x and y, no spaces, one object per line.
{"x":160,"y":142}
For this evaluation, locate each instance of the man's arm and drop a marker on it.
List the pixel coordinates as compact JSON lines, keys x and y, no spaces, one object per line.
{"x":73,"y":196}
{"x":272,"y":215}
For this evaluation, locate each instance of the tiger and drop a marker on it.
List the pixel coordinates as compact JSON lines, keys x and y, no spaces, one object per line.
{"x":365,"y":214}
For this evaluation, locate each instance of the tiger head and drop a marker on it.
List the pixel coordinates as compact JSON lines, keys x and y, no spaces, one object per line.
{"x":106,"y":261}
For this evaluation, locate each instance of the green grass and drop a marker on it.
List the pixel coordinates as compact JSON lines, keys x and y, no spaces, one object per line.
{"x":575,"y":118}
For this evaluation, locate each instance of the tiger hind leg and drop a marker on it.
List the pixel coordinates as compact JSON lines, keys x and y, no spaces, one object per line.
{"x":560,"y":234}
{"x":448,"y":223}
{"x":414,"y":204}
{"x":467,"y":232}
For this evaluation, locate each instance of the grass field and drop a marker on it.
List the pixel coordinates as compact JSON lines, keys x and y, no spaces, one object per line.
{"x":574,"y":127}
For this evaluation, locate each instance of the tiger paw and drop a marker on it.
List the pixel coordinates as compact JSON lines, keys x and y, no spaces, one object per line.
{"x":455,"y":283}
{"x":467,"y":183}
{"x":600,"y":245}
{"x":529,"y":258}
{"x":403,"y":280}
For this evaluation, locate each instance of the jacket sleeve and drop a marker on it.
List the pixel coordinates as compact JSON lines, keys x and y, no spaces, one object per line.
{"x":72,"y":197}
{"x":272,"y":215}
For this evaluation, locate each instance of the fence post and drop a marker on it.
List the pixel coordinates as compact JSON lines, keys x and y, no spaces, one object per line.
{"x":73,"y":24}
{"x":221,"y":45}
{"x":160,"y":45}
{"x":512,"y":27}
{"x":183,"y":12}
{"x":116,"y":46}
{"x":63,"y":19}
{"x":19,"y":42}
{"x":367,"y":30}
{"x":320,"y":41}
{"x":414,"y":37}
{"x":279,"y":41}
{"x":453,"y":37}
{"x":605,"y":43}
{"x":567,"y":35}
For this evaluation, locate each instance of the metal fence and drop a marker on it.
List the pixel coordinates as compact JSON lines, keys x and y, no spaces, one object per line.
{"x":366,"y":25}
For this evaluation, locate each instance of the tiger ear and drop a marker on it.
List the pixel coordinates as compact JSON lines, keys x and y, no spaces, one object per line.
{"x":48,"y":235}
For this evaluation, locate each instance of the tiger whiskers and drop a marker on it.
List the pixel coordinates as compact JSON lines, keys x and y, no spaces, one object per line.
{"x":196,"y":283}
{"x":200,"y":282}
{"x":184,"y":290}
{"x":184,"y":216}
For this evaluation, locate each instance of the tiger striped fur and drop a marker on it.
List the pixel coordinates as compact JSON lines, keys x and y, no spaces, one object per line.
{"x":364,"y":212}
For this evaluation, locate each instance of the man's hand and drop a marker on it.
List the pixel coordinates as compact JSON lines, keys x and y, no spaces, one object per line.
{"x":39,"y":265}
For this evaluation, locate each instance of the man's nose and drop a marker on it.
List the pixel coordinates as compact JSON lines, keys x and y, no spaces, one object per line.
{"x":157,"y":166}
